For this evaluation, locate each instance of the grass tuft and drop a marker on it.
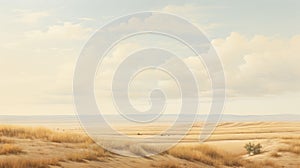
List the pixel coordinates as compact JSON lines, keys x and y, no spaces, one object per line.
{"x":82,"y":156}
{"x":275,"y":155}
{"x":9,"y":149}
{"x":43,"y":133}
{"x":293,"y":146}
{"x":167,"y":164}
{"x":12,"y":162}
{"x":205,"y":154}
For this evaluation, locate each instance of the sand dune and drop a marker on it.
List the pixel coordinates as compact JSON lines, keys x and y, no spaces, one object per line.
{"x":41,"y":147}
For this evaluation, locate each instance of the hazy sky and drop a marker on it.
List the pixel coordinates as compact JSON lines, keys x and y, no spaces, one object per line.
{"x":257,"y":41}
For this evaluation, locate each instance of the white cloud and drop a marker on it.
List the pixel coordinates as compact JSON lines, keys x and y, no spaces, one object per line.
{"x":187,"y":10}
{"x":193,"y":13}
{"x":149,"y":79}
{"x":179,"y":8}
{"x":66,"y":31}
{"x":260,"y":65}
{"x":30,"y":17}
{"x":86,"y":19}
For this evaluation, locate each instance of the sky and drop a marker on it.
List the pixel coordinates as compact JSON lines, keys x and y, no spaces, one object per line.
{"x":258,"y":43}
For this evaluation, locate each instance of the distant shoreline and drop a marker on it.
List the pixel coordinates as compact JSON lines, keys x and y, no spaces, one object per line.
{"x":200,"y":117}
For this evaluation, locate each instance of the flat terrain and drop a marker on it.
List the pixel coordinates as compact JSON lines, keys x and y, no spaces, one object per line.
{"x":42,"y":147}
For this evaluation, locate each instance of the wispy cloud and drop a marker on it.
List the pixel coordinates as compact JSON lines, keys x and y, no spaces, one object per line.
{"x":30,"y":17}
{"x":86,"y":19}
{"x":195,"y":14}
{"x":67,"y":31}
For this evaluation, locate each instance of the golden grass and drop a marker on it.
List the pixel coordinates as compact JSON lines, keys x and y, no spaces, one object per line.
{"x":9,"y":149}
{"x":297,"y":137}
{"x":260,"y":164}
{"x":205,"y":154}
{"x":82,"y":156}
{"x":99,"y":151}
{"x":6,"y":141}
{"x":275,"y":155}
{"x":290,"y":149}
{"x":293,"y":146}
{"x":43,"y":133}
{"x":92,"y":153}
{"x":12,"y":162}
{"x":167,"y":164}
{"x":61,"y":137}
{"x":88,"y":150}
{"x":216,"y":157}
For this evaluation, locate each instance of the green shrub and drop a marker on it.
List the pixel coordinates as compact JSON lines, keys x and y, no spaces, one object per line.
{"x":252,"y":148}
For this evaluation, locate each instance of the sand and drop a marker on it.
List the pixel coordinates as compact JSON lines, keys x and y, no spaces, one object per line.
{"x":230,"y":137}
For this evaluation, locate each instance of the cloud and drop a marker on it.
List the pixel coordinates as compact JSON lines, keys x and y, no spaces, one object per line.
{"x":147,"y":80}
{"x":193,"y":14}
{"x":182,"y":9}
{"x":188,"y":10}
{"x":30,"y":17}
{"x":66,"y":31}
{"x":86,"y":19}
{"x":260,"y":65}
{"x":254,"y":66}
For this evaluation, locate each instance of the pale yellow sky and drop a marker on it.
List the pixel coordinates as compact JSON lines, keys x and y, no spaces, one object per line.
{"x":40,"y":44}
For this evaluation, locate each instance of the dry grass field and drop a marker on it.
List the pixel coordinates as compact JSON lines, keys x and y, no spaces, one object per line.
{"x":37,"y":147}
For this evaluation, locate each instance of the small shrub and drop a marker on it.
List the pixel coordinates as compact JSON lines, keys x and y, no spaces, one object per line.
{"x":252,"y":148}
